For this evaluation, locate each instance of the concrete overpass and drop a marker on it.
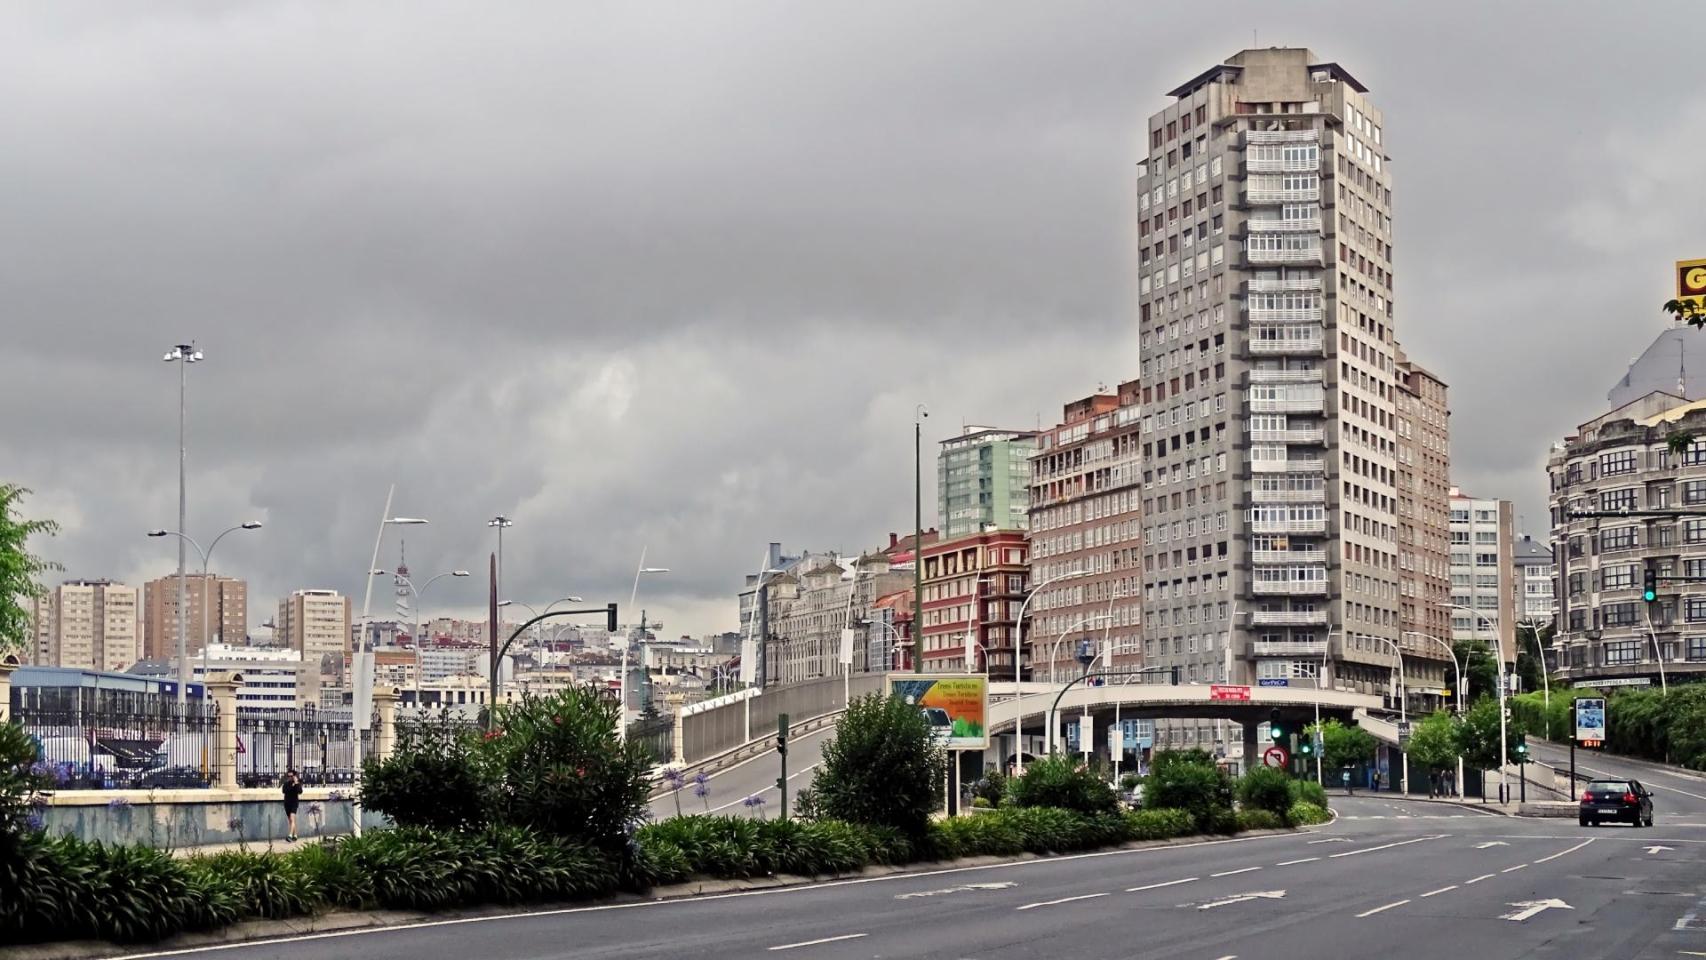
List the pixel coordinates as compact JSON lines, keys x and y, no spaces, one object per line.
{"x":1031,"y":703}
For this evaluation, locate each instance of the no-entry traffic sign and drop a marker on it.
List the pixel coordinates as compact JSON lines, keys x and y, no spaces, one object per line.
{"x":1275,"y":757}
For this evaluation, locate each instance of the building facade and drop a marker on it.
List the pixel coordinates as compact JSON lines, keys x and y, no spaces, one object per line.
{"x":316,"y":624}
{"x":1424,"y":528}
{"x":1269,"y":378}
{"x":1623,"y":461}
{"x":1534,"y":572}
{"x":1086,"y":499}
{"x":810,"y":609}
{"x":1483,"y":573}
{"x":87,"y":625}
{"x":272,"y":677}
{"x":982,"y":478}
{"x":973,"y":588}
{"x":218,"y":613}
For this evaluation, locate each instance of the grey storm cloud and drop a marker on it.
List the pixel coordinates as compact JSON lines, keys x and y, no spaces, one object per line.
{"x":672,"y":276}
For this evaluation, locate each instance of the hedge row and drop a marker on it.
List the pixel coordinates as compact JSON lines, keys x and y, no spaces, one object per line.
{"x":63,"y":888}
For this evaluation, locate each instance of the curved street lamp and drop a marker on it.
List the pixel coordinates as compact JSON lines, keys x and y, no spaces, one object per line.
{"x":183,"y":617}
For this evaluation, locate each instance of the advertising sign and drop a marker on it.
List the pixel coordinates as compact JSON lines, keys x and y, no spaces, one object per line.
{"x":1691,"y":280}
{"x":1590,"y":722}
{"x":1221,"y":691}
{"x":956,"y":705}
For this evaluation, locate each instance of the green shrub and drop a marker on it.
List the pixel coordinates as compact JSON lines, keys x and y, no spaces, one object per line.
{"x":1192,"y":782}
{"x":1266,"y":789}
{"x":212,"y":904}
{"x":1159,"y":824}
{"x":992,"y":789}
{"x":1256,"y":818}
{"x":662,"y":862}
{"x":982,"y":803}
{"x":1129,"y":782}
{"x":1063,"y":783}
{"x":882,"y":768}
{"x":333,"y":875}
{"x":1308,"y":791}
{"x":43,"y":889}
{"x":434,"y":778}
{"x":1304,"y":814}
{"x":559,"y":768}
{"x":266,"y":886}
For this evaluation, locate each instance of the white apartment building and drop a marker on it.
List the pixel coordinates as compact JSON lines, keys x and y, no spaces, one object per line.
{"x":273,"y":677}
{"x":316,"y":624}
{"x":1534,"y":572}
{"x":88,"y":625}
{"x":1483,"y":575}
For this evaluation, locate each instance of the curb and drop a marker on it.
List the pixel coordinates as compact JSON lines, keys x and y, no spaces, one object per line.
{"x":334,"y":921}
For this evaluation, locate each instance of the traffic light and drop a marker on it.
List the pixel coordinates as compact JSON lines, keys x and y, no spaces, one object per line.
{"x":782,"y":734}
{"x":1306,"y":747}
{"x":1276,"y":729}
{"x":1521,"y":749}
{"x":1649,"y":584}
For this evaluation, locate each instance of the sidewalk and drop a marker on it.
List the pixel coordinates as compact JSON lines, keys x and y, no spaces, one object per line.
{"x":252,"y":846}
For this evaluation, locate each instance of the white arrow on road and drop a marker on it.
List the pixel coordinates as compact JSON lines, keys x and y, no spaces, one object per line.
{"x":1655,"y":848}
{"x":1257,"y":895}
{"x":963,"y":888}
{"x":1529,"y":908}
{"x":1491,"y":843}
{"x":1331,"y":840}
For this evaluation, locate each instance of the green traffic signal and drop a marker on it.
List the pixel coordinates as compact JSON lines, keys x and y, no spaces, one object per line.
{"x":1305,"y":748}
{"x":1649,"y":584}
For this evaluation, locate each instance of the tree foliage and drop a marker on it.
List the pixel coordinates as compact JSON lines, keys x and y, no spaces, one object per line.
{"x":1478,"y":735}
{"x":1191,"y":781}
{"x":19,"y":568}
{"x":1265,"y":788}
{"x":1480,"y":670}
{"x":435,"y":777}
{"x":1434,"y":742}
{"x":882,"y":767}
{"x":1063,"y":782}
{"x":1343,"y":746}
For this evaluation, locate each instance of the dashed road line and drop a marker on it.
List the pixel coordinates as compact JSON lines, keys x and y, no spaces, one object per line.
{"x":1230,"y":873}
{"x":1157,"y":886}
{"x":1051,"y":903}
{"x":1562,"y":852}
{"x":1287,"y":863}
{"x":813,"y":943}
{"x":1370,"y":913}
{"x":1513,"y":869}
{"x":1387,"y":846}
{"x":1484,"y":876}
{"x":1441,"y":890}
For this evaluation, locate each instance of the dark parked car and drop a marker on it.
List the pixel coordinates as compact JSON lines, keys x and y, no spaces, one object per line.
{"x":1621,"y":800}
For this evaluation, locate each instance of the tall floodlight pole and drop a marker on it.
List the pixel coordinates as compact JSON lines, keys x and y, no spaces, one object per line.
{"x":183,"y":355}
{"x":627,"y":643}
{"x":920,"y":412}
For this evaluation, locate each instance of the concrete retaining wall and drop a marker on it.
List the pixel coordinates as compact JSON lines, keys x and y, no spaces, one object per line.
{"x":710,"y":732}
{"x":189,"y":818}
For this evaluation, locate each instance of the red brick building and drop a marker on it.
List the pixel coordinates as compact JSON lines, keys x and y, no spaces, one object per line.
{"x":973,"y":586}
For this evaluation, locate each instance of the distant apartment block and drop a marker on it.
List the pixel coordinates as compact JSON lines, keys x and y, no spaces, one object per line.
{"x":87,"y":625}
{"x":982,"y":478}
{"x":1534,"y":572}
{"x":1483,"y":573}
{"x":218,"y":613}
{"x":316,"y":624}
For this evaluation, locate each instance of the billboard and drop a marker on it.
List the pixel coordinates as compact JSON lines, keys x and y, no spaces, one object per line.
{"x":1590,"y":721}
{"x":1691,"y":281}
{"x":955,"y":704}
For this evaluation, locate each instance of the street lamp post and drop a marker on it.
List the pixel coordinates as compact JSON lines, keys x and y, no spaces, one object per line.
{"x":500,"y":522}
{"x":1457,"y":670}
{"x":361,"y":679}
{"x":1053,"y":660}
{"x":893,"y":644}
{"x":1019,"y":661}
{"x":1504,"y":736}
{"x":1403,"y":703}
{"x":206,"y":555}
{"x":183,"y":355}
{"x":410,"y":583}
{"x":622,"y":682}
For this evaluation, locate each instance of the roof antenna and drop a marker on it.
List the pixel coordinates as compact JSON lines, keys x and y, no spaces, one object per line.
{"x":1682,"y":368}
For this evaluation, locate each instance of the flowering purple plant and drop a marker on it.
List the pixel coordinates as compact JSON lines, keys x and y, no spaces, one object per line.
{"x":336,"y":795}
{"x":117,"y":803}
{"x":674,"y":777}
{"x":34,"y":823}
{"x":754,"y":802}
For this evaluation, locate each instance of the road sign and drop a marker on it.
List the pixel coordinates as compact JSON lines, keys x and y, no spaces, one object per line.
{"x":1590,"y":721}
{"x":1220,"y":691}
{"x":1275,"y":757}
{"x":1403,"y":731}
{"x":1615,"y":682}
{"x":1274,"y":682}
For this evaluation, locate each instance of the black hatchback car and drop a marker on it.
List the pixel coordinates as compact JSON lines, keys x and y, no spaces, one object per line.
{"x":1618,"y":800}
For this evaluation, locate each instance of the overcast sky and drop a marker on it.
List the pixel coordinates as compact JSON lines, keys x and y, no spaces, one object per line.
{"x":672,"y":277}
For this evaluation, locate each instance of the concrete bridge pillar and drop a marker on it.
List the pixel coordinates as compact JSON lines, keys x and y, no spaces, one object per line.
{"x":1252,"y":749}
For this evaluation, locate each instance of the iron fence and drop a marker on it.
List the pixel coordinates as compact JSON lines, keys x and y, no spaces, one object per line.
{"x":316,"y":745}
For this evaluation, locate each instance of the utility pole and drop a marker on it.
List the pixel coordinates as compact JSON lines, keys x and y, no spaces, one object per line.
{"x":782,"y":752}
{"x":918,"y":538}
{"x":492,"y":635}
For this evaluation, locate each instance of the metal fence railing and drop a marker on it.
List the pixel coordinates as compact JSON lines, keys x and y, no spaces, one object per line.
{"x":163,"y":744}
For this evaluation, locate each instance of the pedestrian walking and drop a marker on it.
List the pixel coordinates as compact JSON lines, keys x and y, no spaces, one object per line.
{"x":292,"y":797}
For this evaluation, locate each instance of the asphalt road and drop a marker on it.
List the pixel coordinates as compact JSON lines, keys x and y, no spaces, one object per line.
{"x":1679,"y":796}
{"x":1391,"y":878}
{"x":757,"y":776}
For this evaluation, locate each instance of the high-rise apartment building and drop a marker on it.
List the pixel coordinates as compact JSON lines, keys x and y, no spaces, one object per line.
{"x":218,"y":613}
{"x":1483,"y":572}
{"x":973,"y":588}
{"x":981,"y":480}
{"x":316,"y":624}
{"x":89,"y":625}
{"x":1269,"y":377}
{"x":1534,"y":572}
{"x":1424,"y":518}
{"x":1086,"y":495}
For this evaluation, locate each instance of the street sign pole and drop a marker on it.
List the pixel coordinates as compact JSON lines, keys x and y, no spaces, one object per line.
{"x":782,"y":751}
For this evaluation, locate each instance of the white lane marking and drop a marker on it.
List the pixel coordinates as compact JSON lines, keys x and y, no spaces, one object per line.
{"x":1432,"y":893}
{"x":1387,"y":846}
{"x":813,"y":943}
{"x":1287,"y":863}
{"x":1050,"y":903}
{"x":1562,"y":852}
{"x":1230,"y":873}
{"x":766,"y":755}
{"x":1332,"y":839}
{"x":1157,"y":886}
{"x":1234,"y":956}
{"x":1484,"y":876}
{"x":962,"y":888}
{"x":1655,"y":848}
{"x":1370,"y":913}
{"x":600,"y":908}
{"x":1655,"y":786}
{"x":1513,"y":869}
{"x":769,"y":789}
{"x":1529,"y":908}
{"x":1491,"y":843}
{"x":1244,"y":897}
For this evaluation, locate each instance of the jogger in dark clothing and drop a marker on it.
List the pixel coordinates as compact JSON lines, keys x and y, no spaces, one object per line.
{"x":292,"y":796}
